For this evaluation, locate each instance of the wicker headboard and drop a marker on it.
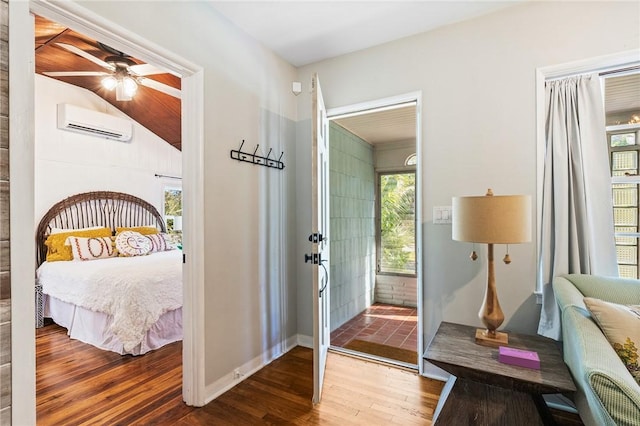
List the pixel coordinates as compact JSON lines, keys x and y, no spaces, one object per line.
{"x":100,"y":208}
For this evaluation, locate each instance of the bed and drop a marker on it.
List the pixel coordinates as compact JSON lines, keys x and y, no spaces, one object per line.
{"x":124,"y":297}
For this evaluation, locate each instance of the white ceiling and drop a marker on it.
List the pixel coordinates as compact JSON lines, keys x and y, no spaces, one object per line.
{"x":303,"y":32}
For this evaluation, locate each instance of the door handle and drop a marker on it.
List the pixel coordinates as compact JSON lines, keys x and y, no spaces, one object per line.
{"x":316,"y":237}
{"x":314,"y":258}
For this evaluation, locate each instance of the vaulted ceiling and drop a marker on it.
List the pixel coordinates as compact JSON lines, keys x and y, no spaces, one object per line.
{"x":157,"y":111}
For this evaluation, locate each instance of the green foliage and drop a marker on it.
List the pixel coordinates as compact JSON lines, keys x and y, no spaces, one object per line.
{"x":173,"y":202}
{"x":397,"y":222}
{"x":625,"y":139}
{"x":173,"y":207}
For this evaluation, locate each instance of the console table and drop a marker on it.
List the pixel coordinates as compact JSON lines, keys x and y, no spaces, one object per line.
{"x":484,"y":391}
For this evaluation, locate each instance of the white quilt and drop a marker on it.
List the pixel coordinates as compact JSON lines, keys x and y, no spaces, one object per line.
{"x":134,"y":290}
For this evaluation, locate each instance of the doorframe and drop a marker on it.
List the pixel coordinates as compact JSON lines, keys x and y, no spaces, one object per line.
{"x":21,"y":84}
{"x":380,"y":103}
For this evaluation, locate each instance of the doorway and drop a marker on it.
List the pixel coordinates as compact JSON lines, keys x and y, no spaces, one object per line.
{"x":22,"y":212}
{"x":72,"y":163}
{"x":374,"y":162}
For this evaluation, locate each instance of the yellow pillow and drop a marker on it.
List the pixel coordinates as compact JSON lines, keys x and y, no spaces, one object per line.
{"x":144,"y":230}
{"x":56,"y":248}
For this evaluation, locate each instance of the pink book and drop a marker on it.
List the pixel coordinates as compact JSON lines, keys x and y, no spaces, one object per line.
{"x":519,"y":357}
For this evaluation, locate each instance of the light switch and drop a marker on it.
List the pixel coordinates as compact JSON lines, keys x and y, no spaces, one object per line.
{"x":441,"y":215}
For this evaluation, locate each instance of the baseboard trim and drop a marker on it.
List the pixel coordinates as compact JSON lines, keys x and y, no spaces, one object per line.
{"x":229,"y":380}
{"x":305,"y":341}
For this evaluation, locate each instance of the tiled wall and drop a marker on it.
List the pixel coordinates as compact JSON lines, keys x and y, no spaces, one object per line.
{"x":353,"y":258}
{"x":5,"y":281}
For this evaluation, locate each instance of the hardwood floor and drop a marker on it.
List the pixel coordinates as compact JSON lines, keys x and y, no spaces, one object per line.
{"x":78,"y":384}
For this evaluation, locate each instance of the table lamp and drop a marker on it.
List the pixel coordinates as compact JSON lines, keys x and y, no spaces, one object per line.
{"x":492,"y":219}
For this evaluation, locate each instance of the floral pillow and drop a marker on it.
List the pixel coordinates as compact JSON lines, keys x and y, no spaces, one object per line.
{"x":621,"y":325}
{"x":129,"y":243}
{"x":91,"y":248}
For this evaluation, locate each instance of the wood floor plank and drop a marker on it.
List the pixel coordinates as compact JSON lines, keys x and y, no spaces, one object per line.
{"x":78,"y":384}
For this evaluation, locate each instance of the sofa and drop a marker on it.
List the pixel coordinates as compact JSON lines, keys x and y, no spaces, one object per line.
{"x":607,"y":393}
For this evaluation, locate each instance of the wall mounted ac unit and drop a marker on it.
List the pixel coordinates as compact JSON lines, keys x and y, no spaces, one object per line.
{"x":94,"y":123}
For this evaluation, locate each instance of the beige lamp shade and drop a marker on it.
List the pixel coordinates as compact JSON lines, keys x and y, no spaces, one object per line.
{"x":496,"y":219}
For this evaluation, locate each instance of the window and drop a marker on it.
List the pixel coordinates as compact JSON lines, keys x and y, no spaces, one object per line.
{"x":397,"y":223}
{"x":624,"y":150}
{"x":173,"y":213}
{"x":622,"y":108}
{"x":411,"y":160}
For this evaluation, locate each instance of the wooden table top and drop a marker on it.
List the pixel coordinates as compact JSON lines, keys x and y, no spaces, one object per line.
{"x":454,"y":350}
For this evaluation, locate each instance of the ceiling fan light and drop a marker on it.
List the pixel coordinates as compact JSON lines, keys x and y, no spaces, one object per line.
{"x":121,"y":95}
{"x":130,"y":86}
{"x":109,"y":82}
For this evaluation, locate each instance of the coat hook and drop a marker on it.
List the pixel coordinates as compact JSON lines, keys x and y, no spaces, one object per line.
{"x":257,"y":159}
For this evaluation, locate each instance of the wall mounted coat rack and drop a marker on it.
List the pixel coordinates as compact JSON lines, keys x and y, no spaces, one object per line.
{"x":257,"y":159}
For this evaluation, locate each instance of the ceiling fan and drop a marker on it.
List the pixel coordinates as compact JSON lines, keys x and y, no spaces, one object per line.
{"x":122,"y":74}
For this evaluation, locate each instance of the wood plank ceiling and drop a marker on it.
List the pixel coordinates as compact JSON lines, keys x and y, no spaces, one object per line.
{"x":382,"y":126}
{"x":153,"y":109}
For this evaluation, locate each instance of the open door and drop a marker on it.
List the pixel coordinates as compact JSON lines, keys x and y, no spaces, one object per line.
{"x":320,"y":236}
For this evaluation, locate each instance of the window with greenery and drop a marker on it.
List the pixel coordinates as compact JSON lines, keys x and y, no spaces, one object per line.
{"x":624,"y":150}
{"x":173,"y":213}
{"x":397,"y":223}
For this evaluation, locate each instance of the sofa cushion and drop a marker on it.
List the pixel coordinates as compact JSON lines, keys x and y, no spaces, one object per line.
{"x":627,"y":291}
{"x":621,"y":326}
{"x":607,"y":393}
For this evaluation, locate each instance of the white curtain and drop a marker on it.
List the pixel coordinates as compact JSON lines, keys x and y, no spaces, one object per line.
{"x":577,"y":211}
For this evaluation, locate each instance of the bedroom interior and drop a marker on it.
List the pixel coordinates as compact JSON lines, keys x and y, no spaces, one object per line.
{"x":148,"y":165}
{"x":467,"y":72}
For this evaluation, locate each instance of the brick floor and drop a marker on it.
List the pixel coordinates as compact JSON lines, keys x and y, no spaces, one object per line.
{"x":391,"y":325}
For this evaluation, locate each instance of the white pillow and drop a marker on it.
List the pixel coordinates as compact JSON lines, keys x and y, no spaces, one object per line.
{"x":91,"y":248}
{"x":159,"y":242}
{"x":131,"y":243}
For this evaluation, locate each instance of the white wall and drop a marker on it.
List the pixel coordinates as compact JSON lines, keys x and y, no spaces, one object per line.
{"x":478,"y":129}
{"x":69,"y":163}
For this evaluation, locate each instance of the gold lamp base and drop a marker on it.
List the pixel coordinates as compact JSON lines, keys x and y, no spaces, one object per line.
{"x":495,"y":339}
